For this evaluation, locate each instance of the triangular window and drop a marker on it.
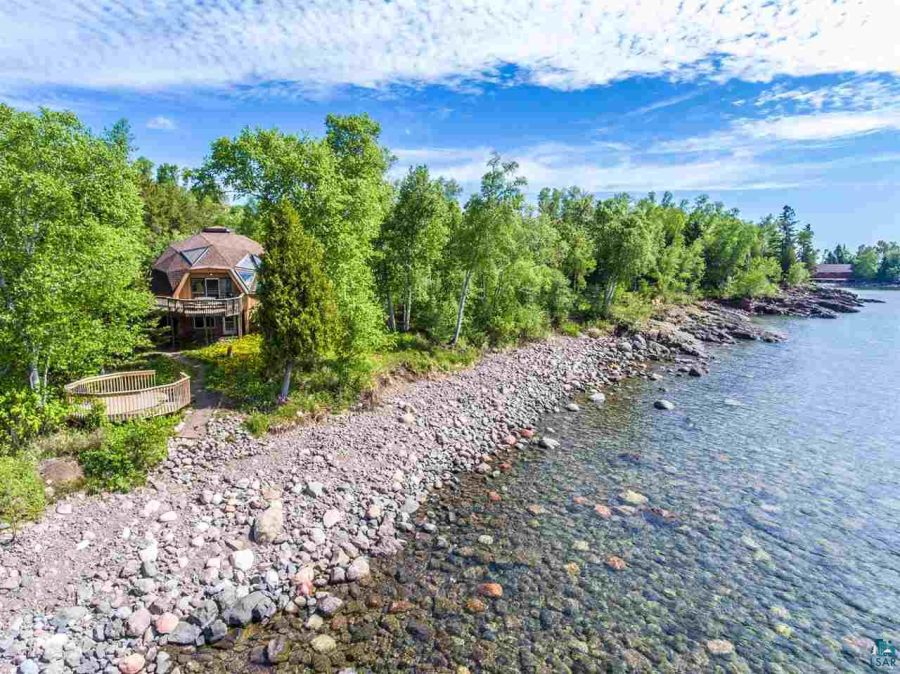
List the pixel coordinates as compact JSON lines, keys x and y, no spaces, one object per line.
{"x":194,"y":255}
{"x":249,"y":261}
{"x":248,"y":279}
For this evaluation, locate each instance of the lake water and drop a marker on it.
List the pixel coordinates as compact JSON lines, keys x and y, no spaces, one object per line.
{"x":785,"y":542}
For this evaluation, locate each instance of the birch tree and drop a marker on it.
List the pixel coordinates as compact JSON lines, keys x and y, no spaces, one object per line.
{"x":488,"y":227}
{"x":72,"y":290}
{"x":413,"y":240}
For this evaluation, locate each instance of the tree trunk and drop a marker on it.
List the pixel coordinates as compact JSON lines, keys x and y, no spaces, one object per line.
{"x":286,"y":382}
{"x":462,"y":306}
{"x":392,"y":320}
{"x":407,"y":309}
{"x":608,"y":295}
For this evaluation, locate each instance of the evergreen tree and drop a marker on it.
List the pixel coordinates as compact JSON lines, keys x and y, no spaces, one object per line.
{"x":787,"y":226}
{"x":809,"y":256}
{"x":297,"y":315}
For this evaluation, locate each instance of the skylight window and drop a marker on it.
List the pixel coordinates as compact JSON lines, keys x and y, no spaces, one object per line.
{"x":194,"y":255}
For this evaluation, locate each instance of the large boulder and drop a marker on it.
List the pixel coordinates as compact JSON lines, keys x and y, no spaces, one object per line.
{"x":269,"y":526}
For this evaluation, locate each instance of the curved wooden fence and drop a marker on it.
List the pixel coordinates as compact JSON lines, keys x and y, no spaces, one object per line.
{"x":129,"y":395}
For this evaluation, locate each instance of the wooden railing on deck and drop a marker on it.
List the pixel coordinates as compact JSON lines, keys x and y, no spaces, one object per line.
{"x":129,"y":395}
{"x":201,"y":306}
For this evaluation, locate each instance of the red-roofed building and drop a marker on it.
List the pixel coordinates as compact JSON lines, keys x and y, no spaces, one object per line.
{"x":833,"y":272}
{"x":206,"y":284}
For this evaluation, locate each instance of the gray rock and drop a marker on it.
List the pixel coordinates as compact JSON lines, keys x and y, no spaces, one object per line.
{"x":70,"y":614}
{"x":29,"y":667}
{"x":255,"y":606}
{"x":329,"y":605}
{"x":138,"y":622}
{"x":332,"y":517}
{"x":269,"y":526}
{"x":314,"y":489}
{"x":163,"y":663}
{"x":358,"y":569}
{"x":184,"y":634}
{"x":216,"y":631}
{"x":663,"y":404}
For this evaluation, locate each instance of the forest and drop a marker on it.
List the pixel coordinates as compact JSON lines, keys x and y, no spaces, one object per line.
{"x":360,"y":265}
{"x":879,"y":263}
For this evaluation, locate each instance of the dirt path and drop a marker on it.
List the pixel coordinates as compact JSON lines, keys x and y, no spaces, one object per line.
{"x":204,"y":401}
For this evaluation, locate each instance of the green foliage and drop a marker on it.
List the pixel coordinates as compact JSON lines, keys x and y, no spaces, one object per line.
{"x":21,"y":491}
{"x":297,"y":315}
{"x":72,"y":283}
{"x":865,"y":263}
{"x":633,"y":310}
{"x":413,"y":239}
{"x":809,"y":256}
{"x":235,"y":368}
{"x":24,"y":416}
{"x":758,"y":279}
{"x":840,"y":255}
{"x":172,"y":211}
{"x":336,"y":186}
{"x":625,"y":248}
{"x":258,"y":423}
{"x":787,"y":226}
{"x":797,"y":275}
{"x":570,"y":328}
{"x":128,"y":451}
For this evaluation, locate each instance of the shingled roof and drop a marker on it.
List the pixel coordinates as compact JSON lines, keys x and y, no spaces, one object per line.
{"x":215,"y":248}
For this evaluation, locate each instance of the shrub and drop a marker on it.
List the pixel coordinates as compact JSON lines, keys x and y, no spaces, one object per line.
{"x":758,"y":280}
{"x":797,"y":275}
{"x":129,"y":450}
{"x":569,"y":328}
{"x":23,"y":417}
{"x":21,"y":491}
{"x":258,"y":423}
{"x":631,"y":310}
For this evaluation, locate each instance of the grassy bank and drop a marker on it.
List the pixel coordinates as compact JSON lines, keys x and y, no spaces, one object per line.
{"x":235,"y":368}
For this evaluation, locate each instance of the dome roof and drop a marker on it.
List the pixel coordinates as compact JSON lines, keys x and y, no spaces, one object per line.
{"x":215,"y":248}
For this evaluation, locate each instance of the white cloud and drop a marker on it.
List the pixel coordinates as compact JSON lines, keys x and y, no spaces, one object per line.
{"x":161,"y":123}
{"x":856,"y":94}
{"x":824,"y":126}
{"x":601,"y":168}
{"x":314,"y":45}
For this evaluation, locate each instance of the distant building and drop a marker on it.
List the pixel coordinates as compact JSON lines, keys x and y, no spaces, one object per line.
{"x":833,"y":272}
{"x":206,"y":284}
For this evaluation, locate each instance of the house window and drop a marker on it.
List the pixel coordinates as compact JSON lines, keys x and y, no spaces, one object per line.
{"x":212,"y":287}
{"x":229,"y":325}
{"x":197,"y":287}
{"x":228,"y":287}
{"x":204,"y":322}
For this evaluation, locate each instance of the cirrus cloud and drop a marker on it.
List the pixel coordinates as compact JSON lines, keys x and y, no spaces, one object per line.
{"x":321,"y":44}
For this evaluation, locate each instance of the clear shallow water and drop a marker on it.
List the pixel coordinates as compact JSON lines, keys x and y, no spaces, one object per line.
{"x":786,"y":543}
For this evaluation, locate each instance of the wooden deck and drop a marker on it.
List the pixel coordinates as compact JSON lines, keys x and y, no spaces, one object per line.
{"x":202,"y":306}
{"x":129,"y":395}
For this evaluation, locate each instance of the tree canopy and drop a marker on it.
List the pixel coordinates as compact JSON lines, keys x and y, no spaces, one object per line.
{"x":72,"y":248}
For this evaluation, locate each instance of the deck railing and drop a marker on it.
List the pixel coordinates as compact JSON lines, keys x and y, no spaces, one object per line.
{"x":202,"y":306}
{"x":129,"y":395}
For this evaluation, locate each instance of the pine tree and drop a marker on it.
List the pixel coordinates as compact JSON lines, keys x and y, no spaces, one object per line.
{"x":297,"y":315}
{"x":787,"y":223}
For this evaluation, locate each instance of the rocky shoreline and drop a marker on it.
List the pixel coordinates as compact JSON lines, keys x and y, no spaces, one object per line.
{"x":232,"y":529}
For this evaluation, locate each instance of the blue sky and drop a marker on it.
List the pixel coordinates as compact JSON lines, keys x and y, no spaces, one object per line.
{"x":756,"y":102}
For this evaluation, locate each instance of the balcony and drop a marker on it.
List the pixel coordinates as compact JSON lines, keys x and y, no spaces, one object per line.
{"x":202,"y":306}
